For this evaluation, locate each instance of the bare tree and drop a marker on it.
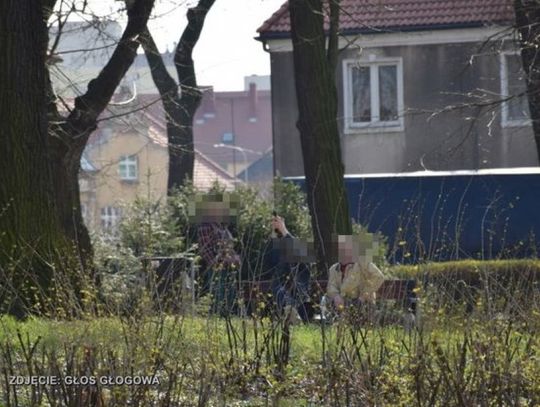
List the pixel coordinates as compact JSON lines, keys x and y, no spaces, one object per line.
{"x":70,"y":134}
{"x":41,"y":218}
{"x":314,"y":69}
{"x":179,"y":109}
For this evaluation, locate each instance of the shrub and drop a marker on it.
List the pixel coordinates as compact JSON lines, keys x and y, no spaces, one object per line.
{"x":121,"y":274}
{"x":163,"y":228}
{"x":499,"y":285}
{"x":379,"y":256}
{"x":150,"y":229}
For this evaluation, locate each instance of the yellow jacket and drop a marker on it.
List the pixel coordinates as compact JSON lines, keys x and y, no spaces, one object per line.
{"x":356,"y":282}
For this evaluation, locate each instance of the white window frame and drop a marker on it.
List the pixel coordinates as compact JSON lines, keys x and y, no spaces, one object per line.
{"x":110,"y":217}
{"x":506,"y":122}
{"x":128,"y":161}
{"x":375,"y":125}
{"x":84,"y":212}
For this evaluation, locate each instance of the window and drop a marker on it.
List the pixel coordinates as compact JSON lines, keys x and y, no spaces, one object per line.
{"x":228,"y":138}
{"x":515,"y":112}
{"x":373,"y":94}
{"x":84,"y":212}
{"x":128,"y":168}
{"x":84,"y":185}
{"x":110,"y":216}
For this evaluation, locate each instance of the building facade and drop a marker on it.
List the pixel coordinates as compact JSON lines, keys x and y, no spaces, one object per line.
{"x":125,"y":161}
{"x":423,"y":85}
{"x":127,"y":156}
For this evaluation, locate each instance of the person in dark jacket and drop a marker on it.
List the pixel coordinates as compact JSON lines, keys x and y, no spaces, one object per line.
{"x":289,"y":262}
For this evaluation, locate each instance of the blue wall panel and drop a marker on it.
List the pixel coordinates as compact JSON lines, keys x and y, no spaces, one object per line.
{"x":446,"y":216}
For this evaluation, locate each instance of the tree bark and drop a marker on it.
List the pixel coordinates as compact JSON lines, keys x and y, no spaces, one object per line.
{"x":179,"y":110}
{"x":528,"y":25}
{"x":29,"y":228}
{"x":319,"y":135}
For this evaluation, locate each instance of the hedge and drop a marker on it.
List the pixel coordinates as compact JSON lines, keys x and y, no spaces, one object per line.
{"x":503,"y":285}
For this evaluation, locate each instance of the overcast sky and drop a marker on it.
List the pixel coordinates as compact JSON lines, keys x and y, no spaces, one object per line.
{"x":226,"y":51}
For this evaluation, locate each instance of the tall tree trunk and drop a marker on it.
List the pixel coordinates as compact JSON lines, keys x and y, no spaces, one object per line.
{"x":179,"y":110}
{"x":65,"y":171}
{"x":528,"y":25}
{"x":40,"y":218}
{"x":316,"y":94}
{"x":29,"y":229}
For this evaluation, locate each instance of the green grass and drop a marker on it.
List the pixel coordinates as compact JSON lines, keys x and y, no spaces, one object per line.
{"x":489,"y":356}
{"x":201,"y":351}
{"x":185,"y":333}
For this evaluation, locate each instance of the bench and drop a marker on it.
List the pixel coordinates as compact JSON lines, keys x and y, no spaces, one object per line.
{"x":402,"y":292}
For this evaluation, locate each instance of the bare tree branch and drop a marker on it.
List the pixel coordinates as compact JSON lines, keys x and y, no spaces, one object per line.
{"x":166,"y":85}
{"x":69,"y":136}
{"x":183,"y":58}
{"x":101,"y":89}
{"x":179,"y":110}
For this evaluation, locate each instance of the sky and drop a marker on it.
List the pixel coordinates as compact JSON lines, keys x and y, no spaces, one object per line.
{"x":226,"y":51}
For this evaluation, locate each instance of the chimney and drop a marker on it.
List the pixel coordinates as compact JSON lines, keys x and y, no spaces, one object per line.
{"x":252,"y":102}
{"x":209,"y":103}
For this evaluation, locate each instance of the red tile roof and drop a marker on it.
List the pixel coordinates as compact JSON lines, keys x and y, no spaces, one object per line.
{"x":407,"y":15}
{"x":205,"y":170}
{"x":206,"y":173}
{"x":214,"y":117}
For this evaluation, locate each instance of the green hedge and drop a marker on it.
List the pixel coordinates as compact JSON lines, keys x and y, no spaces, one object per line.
{"x":470,"y":271}
{"x":501,"y":285}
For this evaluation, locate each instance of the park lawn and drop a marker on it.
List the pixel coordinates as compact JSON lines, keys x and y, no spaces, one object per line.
{"x":186,"y":333}
{"x":490,"y":356}
{"x":204,"y":349}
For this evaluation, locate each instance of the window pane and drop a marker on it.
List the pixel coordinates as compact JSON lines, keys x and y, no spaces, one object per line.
{"x":388,"y":109}
{"x":361,"y":93}
{"x":517,"y":107}
{"x":128,"y":167}
{"x":227,"y":137}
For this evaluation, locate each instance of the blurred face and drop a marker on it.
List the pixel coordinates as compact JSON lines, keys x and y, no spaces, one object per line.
{"x":352,"y":249}
{"x":294,"y":250}
{"x":346,"y":249}
{"x":214,"y":212}
{"x":210,"y":210}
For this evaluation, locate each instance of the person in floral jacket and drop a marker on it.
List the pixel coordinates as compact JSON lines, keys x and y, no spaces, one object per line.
{"x":355,"y":279}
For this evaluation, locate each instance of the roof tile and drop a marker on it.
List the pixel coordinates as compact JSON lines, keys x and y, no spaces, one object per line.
{"x":374,"y":15}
